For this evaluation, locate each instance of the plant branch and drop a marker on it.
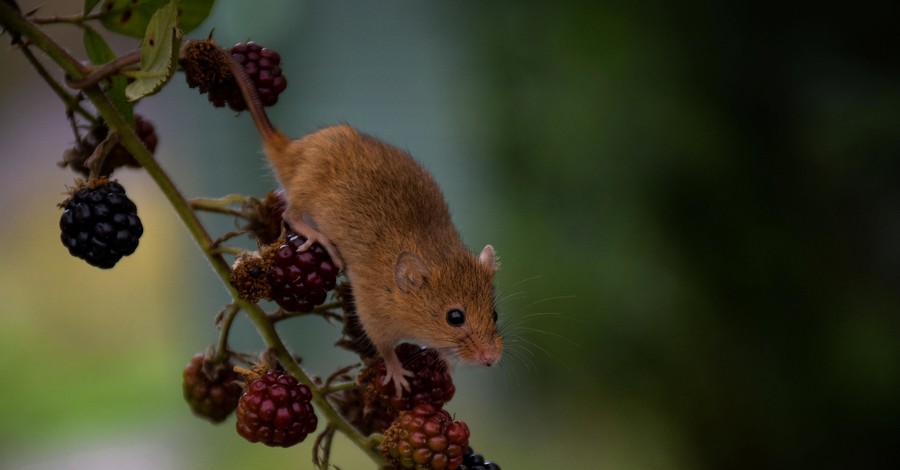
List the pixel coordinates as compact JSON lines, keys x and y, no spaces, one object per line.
{"x":12,"y":20}
{"x":106,"y":70}
{"x":227,"y":320}
{"x":72,"y":102}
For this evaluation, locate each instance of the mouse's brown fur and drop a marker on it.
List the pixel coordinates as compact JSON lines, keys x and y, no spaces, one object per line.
{"x":383,"y":218}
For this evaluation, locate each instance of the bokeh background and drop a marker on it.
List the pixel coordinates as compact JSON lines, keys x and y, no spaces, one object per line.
{"x":697,"y":207}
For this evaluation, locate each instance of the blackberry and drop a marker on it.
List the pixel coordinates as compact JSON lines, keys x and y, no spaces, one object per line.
{"x":474,"y":461}
{"x":300,"y":280}
{"x":431,"y":384}
{"x":425,"y":438}
{"x":211,"y":390}
{"x":100,"y":224}
{"x":275,"y":409}
{"x":263,"y":66}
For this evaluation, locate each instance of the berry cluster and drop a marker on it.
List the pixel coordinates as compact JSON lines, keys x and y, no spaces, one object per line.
{"x":296,"y":280}
{"x":425,"y":438}
{"x":204,"y":68}
{"x":211,"y":390}
{"x":263,"y":66}
{"x":99,"y":224}
{"x":275,"y":410}
{"x":300,"y":280}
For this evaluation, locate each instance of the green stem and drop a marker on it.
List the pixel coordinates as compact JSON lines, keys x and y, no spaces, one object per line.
{"x":72,"y":102}
{"x":13,"y":21}
{"x":227,"y":320}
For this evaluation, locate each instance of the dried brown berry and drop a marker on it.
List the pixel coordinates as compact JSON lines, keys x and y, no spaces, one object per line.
{"x":211,"y":389}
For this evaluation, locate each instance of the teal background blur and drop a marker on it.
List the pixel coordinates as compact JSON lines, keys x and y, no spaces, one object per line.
{"x":696,"y":204}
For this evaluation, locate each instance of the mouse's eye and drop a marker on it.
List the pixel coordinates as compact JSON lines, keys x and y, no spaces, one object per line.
{"x":494,"y":316}
{"x":456,"y":317}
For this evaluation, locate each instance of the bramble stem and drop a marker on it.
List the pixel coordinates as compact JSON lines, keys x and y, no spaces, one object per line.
{"x":12,"y":20}
{"x":227,"y":320}
{"x":106,"y":70}
{"x":72,"y":102}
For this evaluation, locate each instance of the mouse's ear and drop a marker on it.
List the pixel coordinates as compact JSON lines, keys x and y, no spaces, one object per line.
{"x":410,"y":272}
{"x":489,"y":258}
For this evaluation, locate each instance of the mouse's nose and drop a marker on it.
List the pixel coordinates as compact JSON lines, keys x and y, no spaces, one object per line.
{"x":488,"y":355}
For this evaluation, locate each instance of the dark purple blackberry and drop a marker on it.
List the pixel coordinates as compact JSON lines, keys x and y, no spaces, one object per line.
{"x":263,"y":66}
{"x":100,"y":224}
{"x":275,"y":410}
{"x":431,"y":383}
{"x":300,"y":280}
{"x":474,"y":461}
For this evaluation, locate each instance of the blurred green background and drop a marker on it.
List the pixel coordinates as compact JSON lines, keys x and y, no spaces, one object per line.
{"x":696,"y":204}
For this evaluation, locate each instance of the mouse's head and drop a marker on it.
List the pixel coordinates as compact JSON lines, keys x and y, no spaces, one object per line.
{"x":455,"y":299}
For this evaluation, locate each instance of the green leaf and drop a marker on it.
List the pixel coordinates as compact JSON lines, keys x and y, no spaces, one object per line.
{"x":159,"y":53}
{"x":89,"y":5}
{"x":100,"y":53}
{"x":131,"y":17}
{"x":97,"y":49}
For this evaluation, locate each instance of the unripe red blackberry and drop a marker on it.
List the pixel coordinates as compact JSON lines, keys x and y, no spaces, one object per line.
{"x":300,"y":280}
{"x":431,"y":383}
{"x":275,"y":409}
{"x":100,"y":224}
{"x":425,"y":438}
{"x":263,"y":66}
{"x":211,"y":390}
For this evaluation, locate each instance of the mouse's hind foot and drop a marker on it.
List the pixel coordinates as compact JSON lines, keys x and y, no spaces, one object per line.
{"x":313,"y":236}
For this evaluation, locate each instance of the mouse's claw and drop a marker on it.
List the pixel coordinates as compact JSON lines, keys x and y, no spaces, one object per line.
{"x":314,"y":236}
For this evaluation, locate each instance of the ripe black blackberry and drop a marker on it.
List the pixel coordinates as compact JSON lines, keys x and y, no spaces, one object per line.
{"x":425,"y":438}
{"x":263,"y":66}
{"x":475,"y":461}
{"x":431,"y":382}
{"x":211,"y":390}
{"x":299,"y":280}
{"x":100,"y":224}
{"x":275,"y":409}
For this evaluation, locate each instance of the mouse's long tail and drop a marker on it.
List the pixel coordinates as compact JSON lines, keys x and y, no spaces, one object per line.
{"x":270,"y":135}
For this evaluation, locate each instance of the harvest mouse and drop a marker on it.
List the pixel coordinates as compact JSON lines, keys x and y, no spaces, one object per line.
{"x":383,"y":219}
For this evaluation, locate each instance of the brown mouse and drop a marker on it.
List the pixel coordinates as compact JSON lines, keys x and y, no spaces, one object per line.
{"x":383,"y":219}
